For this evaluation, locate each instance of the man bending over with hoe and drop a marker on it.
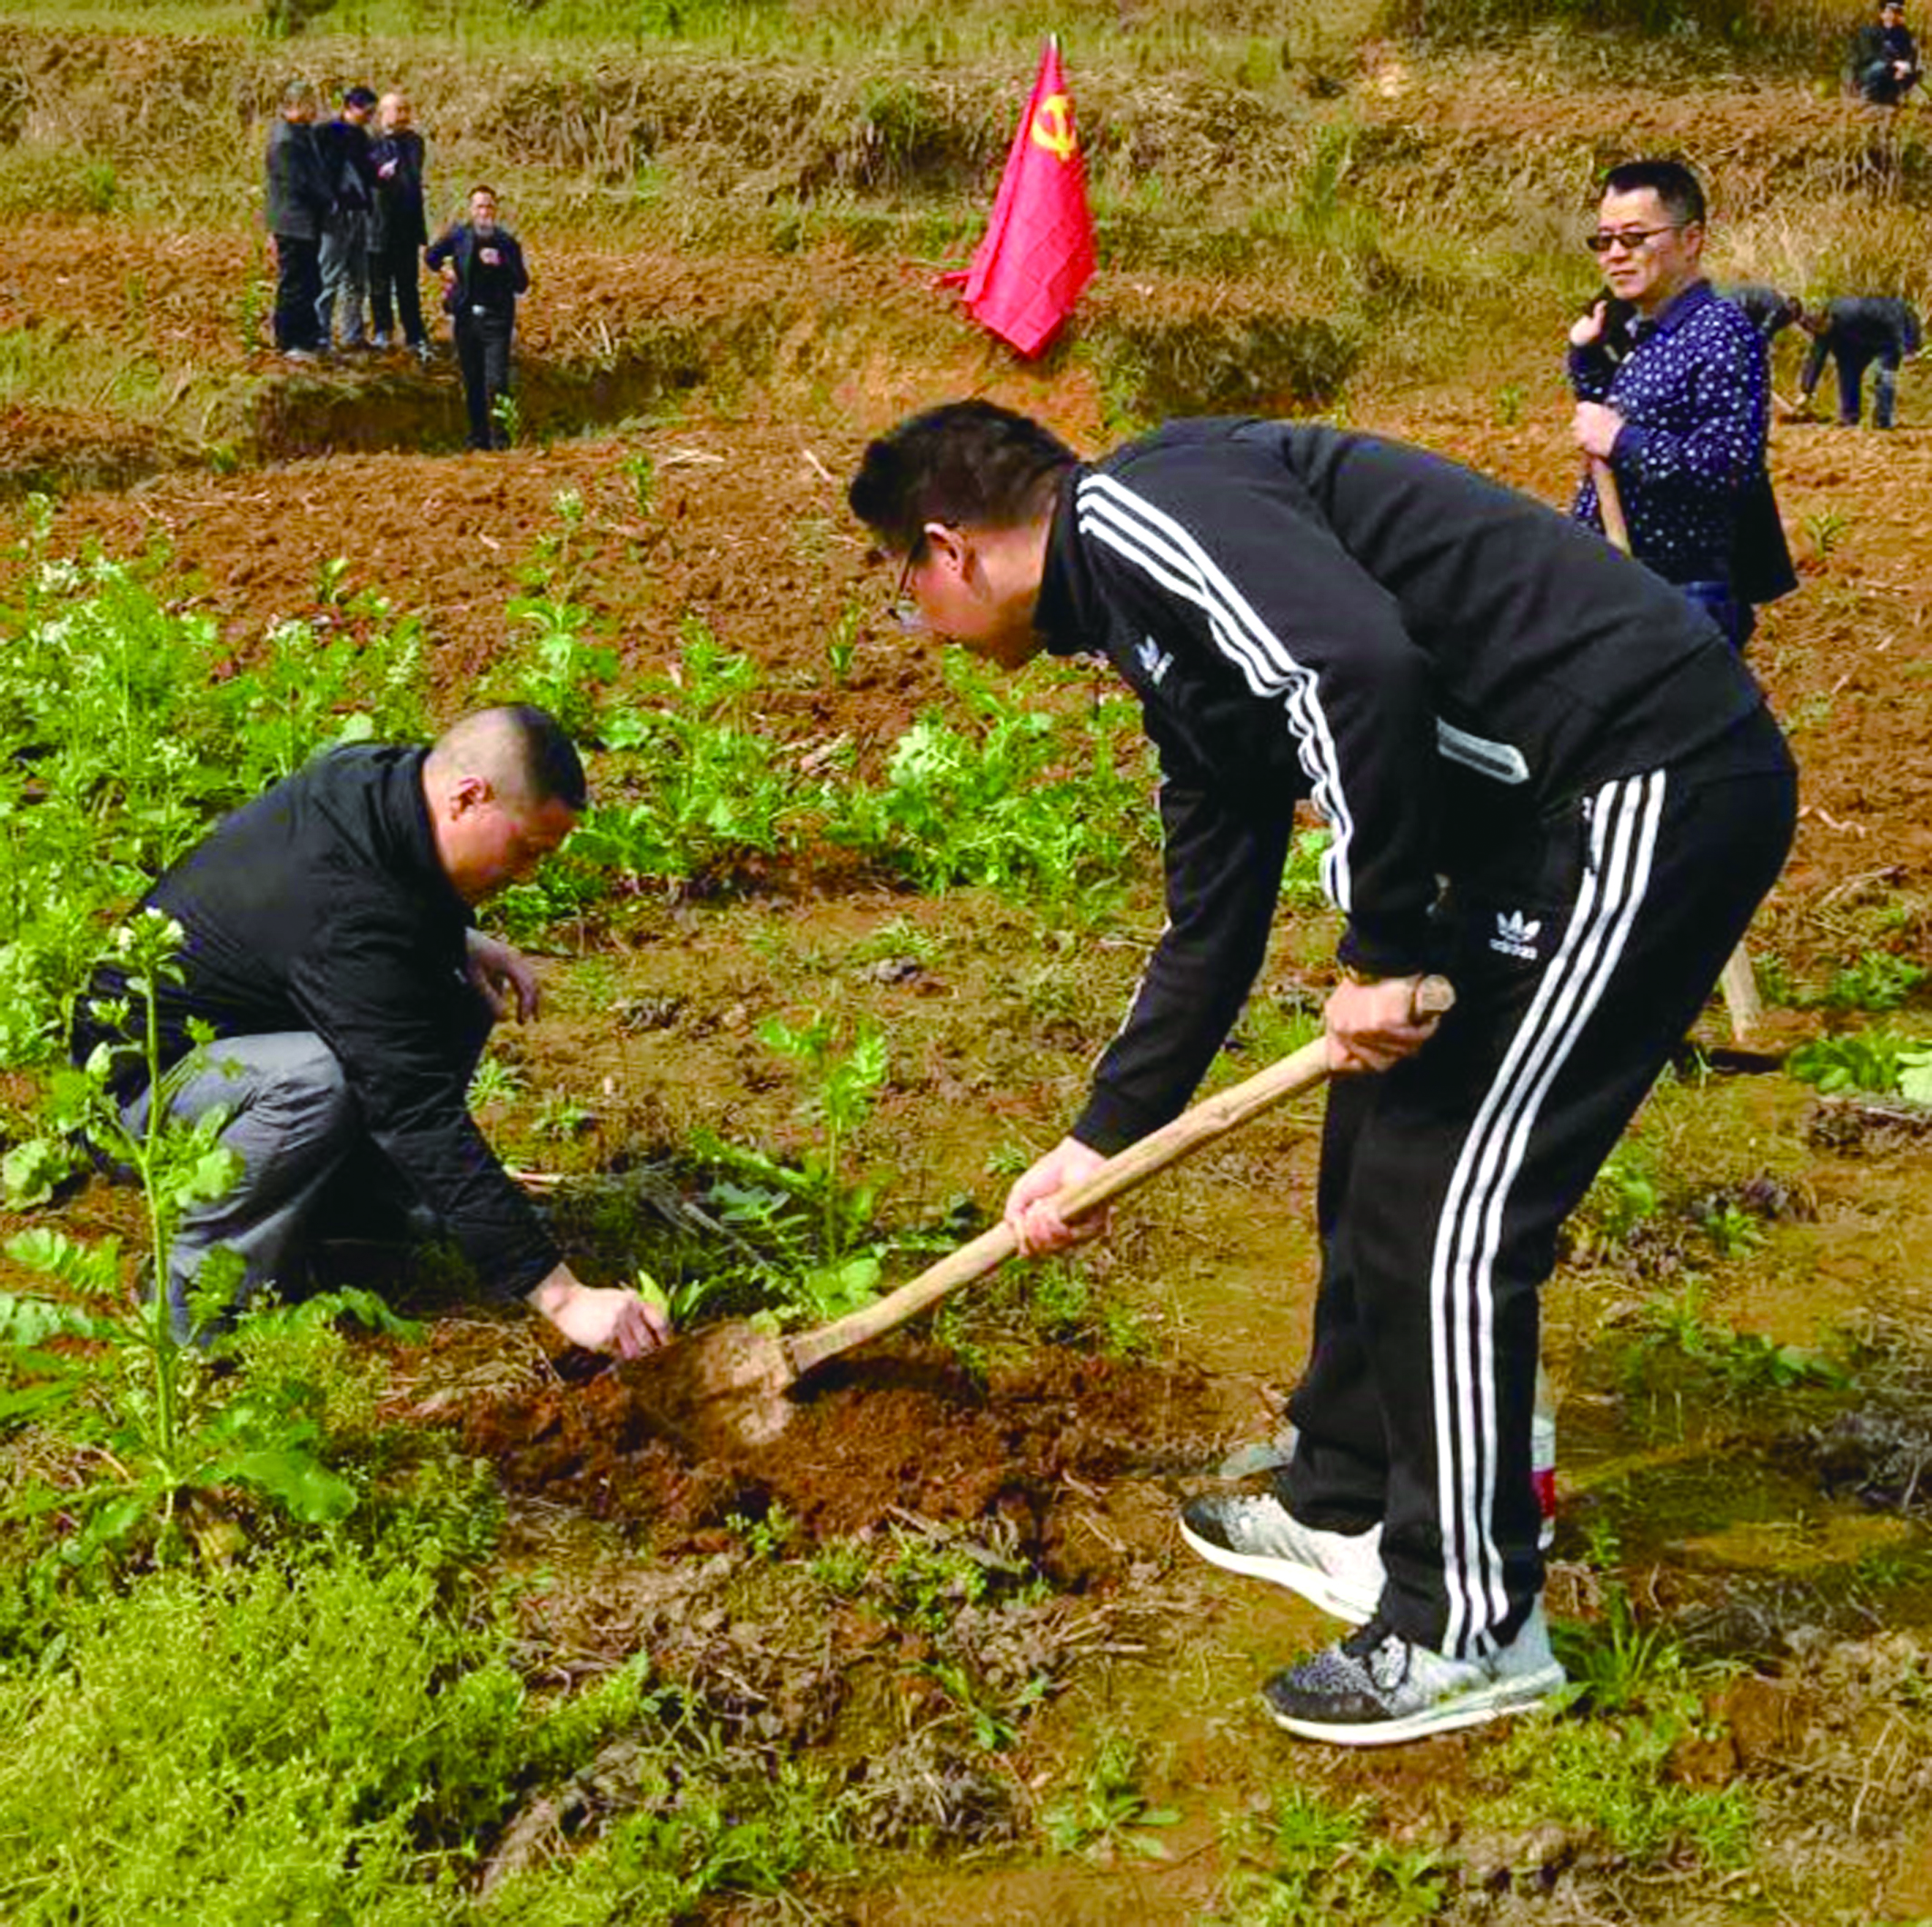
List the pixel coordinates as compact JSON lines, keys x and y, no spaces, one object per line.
{"x":1547,"y":778}
{"x":328,"y":942}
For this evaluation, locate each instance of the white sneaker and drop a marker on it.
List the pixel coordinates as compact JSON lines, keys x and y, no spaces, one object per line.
{"x":1377,"y":1688}
{"x":1256,"y":1534}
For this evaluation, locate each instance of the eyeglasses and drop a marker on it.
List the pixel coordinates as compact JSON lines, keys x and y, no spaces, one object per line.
{"x":905,"y":609}
{"x":906,"y":612}
{"x":1630,"y":239}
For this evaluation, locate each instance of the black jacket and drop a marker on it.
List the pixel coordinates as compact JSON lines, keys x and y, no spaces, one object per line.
{"x":299,"y":197}
{"x":1864,"y":328}
{"x":322,"y":906}
{"x":1766,"y":308}
{"x":496,"y":288}
{"x":1436,"y":659}
{"x":346,"y":165}
{"x":1874,"y":49}
{"x":396,"y":160}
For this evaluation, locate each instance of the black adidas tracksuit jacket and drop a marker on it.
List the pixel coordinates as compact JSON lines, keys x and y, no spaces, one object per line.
{"x":1546,"y":774}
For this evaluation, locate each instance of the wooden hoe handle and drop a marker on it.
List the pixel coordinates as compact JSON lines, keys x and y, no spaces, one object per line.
{"x":1213,"y":1117}
{"x":1609,"y":505}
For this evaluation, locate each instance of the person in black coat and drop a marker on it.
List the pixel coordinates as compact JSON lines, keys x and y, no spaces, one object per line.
{"x":329,"y":944}
{"x":345,"y":148}
{"x":298,"y":204}
{"x":399,"y":230}
{"x":1885,"y":57}
{"x":482,"y":272}
{"x":1855,"y":331}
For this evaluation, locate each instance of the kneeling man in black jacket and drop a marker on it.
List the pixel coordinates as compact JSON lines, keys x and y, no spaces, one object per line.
{"x":328,"y":941}
{"x":1546,"y":775}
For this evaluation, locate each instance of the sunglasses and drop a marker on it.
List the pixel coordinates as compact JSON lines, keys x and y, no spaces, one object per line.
{"x":1631,"y":239}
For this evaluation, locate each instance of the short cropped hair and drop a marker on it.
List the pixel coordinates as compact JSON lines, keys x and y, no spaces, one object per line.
{"x":481,"y":187}
{"x":296,"y":91}
{"x":974,"y":464}
{"x":1674,"y":185}
{"x":358,"y":96}
{"x":525,"y":752}
{"x":549,"y":766}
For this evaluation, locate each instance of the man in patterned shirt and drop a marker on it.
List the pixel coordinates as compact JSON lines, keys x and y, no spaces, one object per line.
{"x":1682,"y":416}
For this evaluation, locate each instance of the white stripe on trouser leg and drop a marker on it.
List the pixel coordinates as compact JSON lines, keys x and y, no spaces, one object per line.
{"x":1623,"y":834}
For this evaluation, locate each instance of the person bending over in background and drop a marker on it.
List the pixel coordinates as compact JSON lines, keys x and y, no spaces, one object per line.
{"x":329,"y":941}
{"x":1471,"y":687}
{"x":398,"y":230}
{"x":345,"y":161}
{"x":297,"y":203}
{"x":1681,"y":418}
{"x":1767,"y":310}
{"x":482,"y":272}
{"x":1885,"y":57}
{"x":1855,"y":331}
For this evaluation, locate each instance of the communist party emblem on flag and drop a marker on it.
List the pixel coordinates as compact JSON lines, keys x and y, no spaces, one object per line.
{"x":1037,"y":252}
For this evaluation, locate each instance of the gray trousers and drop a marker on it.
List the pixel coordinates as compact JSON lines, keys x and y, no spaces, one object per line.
{"x":344,"y":276}
{"x":292,"y":1123}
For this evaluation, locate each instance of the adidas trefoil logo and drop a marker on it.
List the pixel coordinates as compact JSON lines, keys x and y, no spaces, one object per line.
{"x":1515,"y":934}
{"x":1154,"y":660}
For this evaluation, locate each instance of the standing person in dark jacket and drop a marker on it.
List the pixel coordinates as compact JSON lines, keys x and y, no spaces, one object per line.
{"x":1857,"y":331}
{"x":1885,"y":57}
{"x":346,"y":163}
{"x":329,"y":941}
{"x":298,"y":203}
{"x":1681,"y":418}
{"x":482,"y":272}
{"x":399,"y":230}
{"x":1469,"y":688}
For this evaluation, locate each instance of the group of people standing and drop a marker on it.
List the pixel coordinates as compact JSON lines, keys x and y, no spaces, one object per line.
{"x":346,"y":217}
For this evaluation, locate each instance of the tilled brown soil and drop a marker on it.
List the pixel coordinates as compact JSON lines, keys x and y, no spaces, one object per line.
{"x":903,"y":1433}
{"x":746,"y":531}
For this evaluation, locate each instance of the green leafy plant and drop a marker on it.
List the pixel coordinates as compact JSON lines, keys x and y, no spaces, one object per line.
{"x":1317,"y":1862}
{"x":640,"y":472}
{"x":1740,"y":1365}
{"x":1824,"y":528}
{"x":1877,"y":1061}
{"x":846,"y":1067}
{"x":1620,"y":1664}
{"x":1302,"y":886}
{"x":764,"y":1537}
{"x":1018,"y":797}
{"x":842,"y":645}
{"x":562,"y":670}
{"x":1876,"y":982}
{"x":697,"y":786}
{"x":996,"y":1719}
{"x":159,"y":1426}
{"x":1107,"y":1811}
{"x":507,"y":418}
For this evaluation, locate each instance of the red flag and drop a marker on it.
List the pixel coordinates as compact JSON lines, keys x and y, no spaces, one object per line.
{"x":1037,"y":252}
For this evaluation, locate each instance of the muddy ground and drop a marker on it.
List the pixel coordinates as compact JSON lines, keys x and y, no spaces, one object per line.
{"x":1782,"y":1532}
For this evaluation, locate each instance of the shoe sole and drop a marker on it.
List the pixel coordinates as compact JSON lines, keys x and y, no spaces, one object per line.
{"x":1497,"y":1701}
{"x":1307,"y":1581}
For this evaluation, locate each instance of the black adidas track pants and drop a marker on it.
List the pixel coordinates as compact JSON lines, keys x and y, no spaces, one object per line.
{"x":1581,"y":953}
